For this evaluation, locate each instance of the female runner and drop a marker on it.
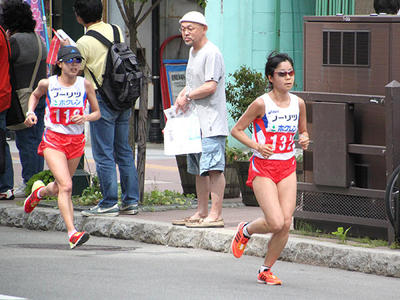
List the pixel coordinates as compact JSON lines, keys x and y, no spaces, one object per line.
{"x":63,"y":140}
{"x":276,"y":117}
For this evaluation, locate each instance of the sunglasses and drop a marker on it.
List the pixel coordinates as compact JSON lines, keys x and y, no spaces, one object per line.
{"x":285,"y":73}
{"x":77,"y":60}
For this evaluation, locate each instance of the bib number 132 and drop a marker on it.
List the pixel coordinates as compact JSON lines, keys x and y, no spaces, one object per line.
{"x":63,"y":115}
{"x":281,"y":142}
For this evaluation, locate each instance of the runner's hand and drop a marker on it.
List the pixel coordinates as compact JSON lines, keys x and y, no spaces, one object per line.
{"x":304,"y":140}
{"x":78,"y":119}
{"x":265,"y":150}
{"x":30,"y":120}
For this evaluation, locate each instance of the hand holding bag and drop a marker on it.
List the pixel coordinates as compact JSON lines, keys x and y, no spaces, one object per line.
{"x":20,"y":98}
{"x":182,"y":133}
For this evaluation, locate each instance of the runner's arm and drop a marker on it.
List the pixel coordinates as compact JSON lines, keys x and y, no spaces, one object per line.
{"x":33,"y":101}
{"x":255,"y":110}
{"x":304,"y":139}
{"x":94,"y":105}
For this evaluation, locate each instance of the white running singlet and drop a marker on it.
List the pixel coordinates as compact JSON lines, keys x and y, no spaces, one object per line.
{"x":277,"y":127}
{"x":64,"y":102}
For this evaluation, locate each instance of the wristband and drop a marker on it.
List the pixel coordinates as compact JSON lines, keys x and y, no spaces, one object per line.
{"x":29,"y":113}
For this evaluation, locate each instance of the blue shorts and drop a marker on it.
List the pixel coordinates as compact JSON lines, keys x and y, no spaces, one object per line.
{"x":212,"y":157}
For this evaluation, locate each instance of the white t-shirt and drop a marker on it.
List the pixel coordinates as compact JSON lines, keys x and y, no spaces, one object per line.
{"x":204,"y":65}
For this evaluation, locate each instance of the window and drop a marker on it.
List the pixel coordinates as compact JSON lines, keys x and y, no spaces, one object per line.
{"x":346,"y":48}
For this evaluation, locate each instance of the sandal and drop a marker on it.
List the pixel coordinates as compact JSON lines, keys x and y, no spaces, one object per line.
{"x":184,"y":221}
{"x":206,"y":224}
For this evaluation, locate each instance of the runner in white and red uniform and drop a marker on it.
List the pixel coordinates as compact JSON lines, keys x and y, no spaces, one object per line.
{"x":61,"y":104}
{"x":277,"y":127}
{"x":276,"y":117}
{"x":63,"y":139}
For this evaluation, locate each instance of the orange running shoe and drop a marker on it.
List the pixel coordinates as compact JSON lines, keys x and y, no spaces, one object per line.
{"x":239,"y":241}
{"x":33,"y":200}
{"x":78,"y":238}
{"x":267,"y":277}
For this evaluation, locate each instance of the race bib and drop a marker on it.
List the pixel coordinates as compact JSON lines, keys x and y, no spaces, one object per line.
{"x":282,"y":142}
{"x":63,"y":115}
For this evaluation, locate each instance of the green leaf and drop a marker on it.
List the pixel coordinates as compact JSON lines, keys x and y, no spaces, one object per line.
{"x":246,"y":85}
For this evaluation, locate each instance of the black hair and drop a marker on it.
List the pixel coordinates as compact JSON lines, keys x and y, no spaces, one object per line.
{"x":390,"y":7}
{"x":17,"y":16}
{"x":273,"y":61}
{"x":56,"y":70}
{"x":89,"y":10}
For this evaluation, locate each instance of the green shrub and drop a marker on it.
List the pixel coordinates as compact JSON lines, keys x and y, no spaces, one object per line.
{"x":90,"y":195}
{"x":46,"y":176}
{"x":233,"y":154}
{"x":245,"y":87}
{"x":341,"y":234}
{"x":166,"y":197}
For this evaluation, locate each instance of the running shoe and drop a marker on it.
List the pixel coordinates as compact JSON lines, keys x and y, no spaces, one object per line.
{"x":7,"y":195}
{"x":239,"y":241}
{"x":267,"y":277}
{"x":97,"y":210}
{"x":78,"y":238}
{"x":33,"y":200}
{"x":19,"y":192}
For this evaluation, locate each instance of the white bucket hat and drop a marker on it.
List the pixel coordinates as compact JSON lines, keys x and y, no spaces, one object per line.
{"x":194,"y":17}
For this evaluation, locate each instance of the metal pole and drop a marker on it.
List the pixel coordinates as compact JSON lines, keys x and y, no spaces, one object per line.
{"x":155,"y":128}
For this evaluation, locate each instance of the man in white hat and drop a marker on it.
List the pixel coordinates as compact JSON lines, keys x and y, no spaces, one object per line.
{"x":205,"y":88}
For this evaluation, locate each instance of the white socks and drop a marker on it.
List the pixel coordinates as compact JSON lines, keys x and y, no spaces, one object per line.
{"x":38,"y":193}
{"x":245,"y":232}
{"x":263,"y":269}
{"x":71,"y":233}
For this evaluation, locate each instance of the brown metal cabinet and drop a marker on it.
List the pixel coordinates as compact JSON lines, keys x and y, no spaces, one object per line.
{"x":348,"y":63}
{"x":351,"y":54}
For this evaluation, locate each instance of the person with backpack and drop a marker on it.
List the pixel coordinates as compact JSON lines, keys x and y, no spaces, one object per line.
{"x":110,"y":134}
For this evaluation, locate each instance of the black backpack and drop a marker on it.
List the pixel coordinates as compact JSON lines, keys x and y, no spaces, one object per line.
{"x":121,"y":79}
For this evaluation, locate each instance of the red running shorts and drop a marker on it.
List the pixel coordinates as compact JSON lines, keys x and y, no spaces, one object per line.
{"x":72,"y":145}
{"x":276,"y":170}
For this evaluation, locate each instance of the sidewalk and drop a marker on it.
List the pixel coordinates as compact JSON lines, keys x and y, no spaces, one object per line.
{"x":155,"y":227}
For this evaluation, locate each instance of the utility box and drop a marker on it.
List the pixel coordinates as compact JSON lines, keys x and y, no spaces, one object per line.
{"x":351,"y":54}
{"x":351,"y":89}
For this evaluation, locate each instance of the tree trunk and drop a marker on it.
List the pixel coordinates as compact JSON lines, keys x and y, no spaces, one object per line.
{"x":133,"y":38}
{"x":142,"y":132}
{"x":132,"y":43}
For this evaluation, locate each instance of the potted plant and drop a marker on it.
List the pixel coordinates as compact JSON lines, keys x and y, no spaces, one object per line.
{"x":240,"y":161}
{"x":246,"y":85}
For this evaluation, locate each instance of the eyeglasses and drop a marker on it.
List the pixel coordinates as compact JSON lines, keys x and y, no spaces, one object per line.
{"x":285,"y":73}
{"x":77,"y":60}
{"x":188,"y":29}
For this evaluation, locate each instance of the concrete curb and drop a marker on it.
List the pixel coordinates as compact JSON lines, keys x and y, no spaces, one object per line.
{"x":299,"y":250}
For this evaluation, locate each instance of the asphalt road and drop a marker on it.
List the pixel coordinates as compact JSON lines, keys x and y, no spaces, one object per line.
{"x":39,"y":265}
